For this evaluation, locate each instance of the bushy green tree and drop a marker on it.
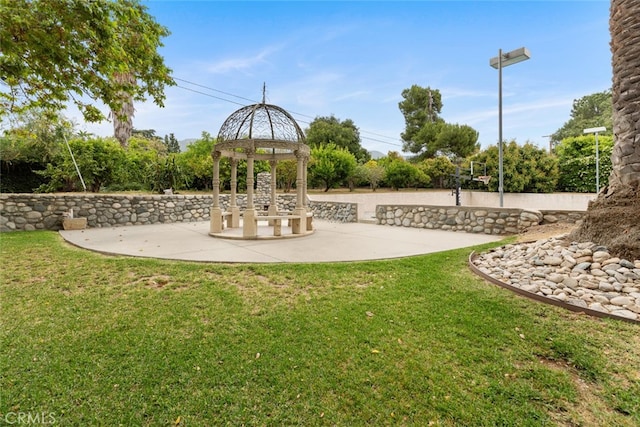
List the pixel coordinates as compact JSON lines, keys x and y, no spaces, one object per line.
{"x":590,"y":111}
{"x":372,"y":173}
{"x":35,"y":135}
{"x":426,"y":133}
{"x":100,"y":160}
{"x":577,"y":163}
{"x":33,"y":140}
{"x":527,"y":168}
{"x":142,"y":158}
{"x":358,"y":178}
{"x":165,"y":173}
{"x":56,"y":51}
{"x":342,"y":133}
{"x":438,"y":169}
{"x":225,"y":173}
{"x":423,"y":142}
{"x":399,"y":173}
{"x":456,"y":140}
{"x":539,"y":168}
{"x":331,"y":165}
{"x":286,"y":174}
{"x":197,"y":163}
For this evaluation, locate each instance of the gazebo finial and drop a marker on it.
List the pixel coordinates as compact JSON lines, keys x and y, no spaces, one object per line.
{"x":264,"y":93}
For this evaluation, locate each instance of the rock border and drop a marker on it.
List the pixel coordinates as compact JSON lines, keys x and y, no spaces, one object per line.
{"x":479,"y":264}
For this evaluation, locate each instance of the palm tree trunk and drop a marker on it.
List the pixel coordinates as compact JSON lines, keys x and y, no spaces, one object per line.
{"x":123,"y":119}
{"x":612,"y":219}
{"x":625,"y":48}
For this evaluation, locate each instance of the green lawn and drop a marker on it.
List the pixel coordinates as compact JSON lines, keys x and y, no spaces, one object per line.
{"x":97,"y":340}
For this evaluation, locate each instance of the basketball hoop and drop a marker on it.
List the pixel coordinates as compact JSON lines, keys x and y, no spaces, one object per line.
{"x":484,"y":178}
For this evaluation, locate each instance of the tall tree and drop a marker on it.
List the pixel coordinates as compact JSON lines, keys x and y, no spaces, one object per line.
{"x":625,"y":47}
{"x":57,"y":51}
{"x":342,"y":133}
{"x":612,"y":219}
{"x":456,"y":140}
{"x":122,"y":119}
{"x":172,"y":144}
{"x":421,"y":106}
{"x":590,"y":111}
{"x":146,"y":133}
{"x":426,"y":133}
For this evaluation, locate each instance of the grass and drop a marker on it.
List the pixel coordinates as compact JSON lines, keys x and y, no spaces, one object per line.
{"x":96,"y":340}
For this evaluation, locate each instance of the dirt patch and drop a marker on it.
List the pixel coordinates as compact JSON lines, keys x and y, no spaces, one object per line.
{"x":613,"y":221}
{"x":545,"y":231}
{"x":155,"y":282}
{"x":582,"y":410}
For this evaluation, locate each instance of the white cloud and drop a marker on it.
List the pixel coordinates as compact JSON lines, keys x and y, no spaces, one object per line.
{"x":454,"y":92}
{"x":359,"y":94}
{"x":242,"y":64}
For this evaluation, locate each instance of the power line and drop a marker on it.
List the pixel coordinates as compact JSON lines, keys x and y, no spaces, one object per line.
{"x":214,"y":90}
{"x":209,"y":95}
{"x":255,"y":102}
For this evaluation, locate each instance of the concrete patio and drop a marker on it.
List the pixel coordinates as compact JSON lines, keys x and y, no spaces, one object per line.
{"x":331,"y":242}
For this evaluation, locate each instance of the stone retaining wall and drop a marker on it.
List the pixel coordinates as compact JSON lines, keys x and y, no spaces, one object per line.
{"x":335,"y":211}
{"x":45,"y":211}
{"x":571,"y":217}
{"x":459,"y":218}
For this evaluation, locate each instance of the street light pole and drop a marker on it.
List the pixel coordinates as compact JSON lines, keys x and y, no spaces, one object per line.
{"x":500,"y":145}
{"x":550,"y":142}
{"x":504,"y":60}
{"x":595,"y":131}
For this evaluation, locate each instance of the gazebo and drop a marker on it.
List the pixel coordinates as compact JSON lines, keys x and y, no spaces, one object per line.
{"x":260,"y":132}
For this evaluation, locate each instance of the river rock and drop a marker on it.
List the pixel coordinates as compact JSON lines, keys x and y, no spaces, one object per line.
{"x":582,"y":274}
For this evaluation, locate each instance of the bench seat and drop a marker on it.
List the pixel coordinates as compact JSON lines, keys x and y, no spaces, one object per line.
{"x":277,"y":221}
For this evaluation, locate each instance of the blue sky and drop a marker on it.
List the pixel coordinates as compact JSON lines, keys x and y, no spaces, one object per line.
{"x":353,"y":59}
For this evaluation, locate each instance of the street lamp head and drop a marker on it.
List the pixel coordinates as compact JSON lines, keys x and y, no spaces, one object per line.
{"x":510,"y":58}
{"x":595,"y":130}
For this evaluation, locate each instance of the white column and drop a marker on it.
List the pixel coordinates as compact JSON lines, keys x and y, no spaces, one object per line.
{"x":304,"y":183}
{"x":233,"y":204}
{"x":249,"y":226}
{"x":273,"y":204}
{"x":300,"y":226}
{"x":215,"y":225}
{"x":305,"y":197}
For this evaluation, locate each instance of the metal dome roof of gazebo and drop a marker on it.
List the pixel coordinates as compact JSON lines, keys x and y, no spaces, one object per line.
{"x":261,"y":126}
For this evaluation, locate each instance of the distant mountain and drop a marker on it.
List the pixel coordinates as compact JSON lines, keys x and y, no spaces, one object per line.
{"x":184,"y":142}
{"x":375,"y":155}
